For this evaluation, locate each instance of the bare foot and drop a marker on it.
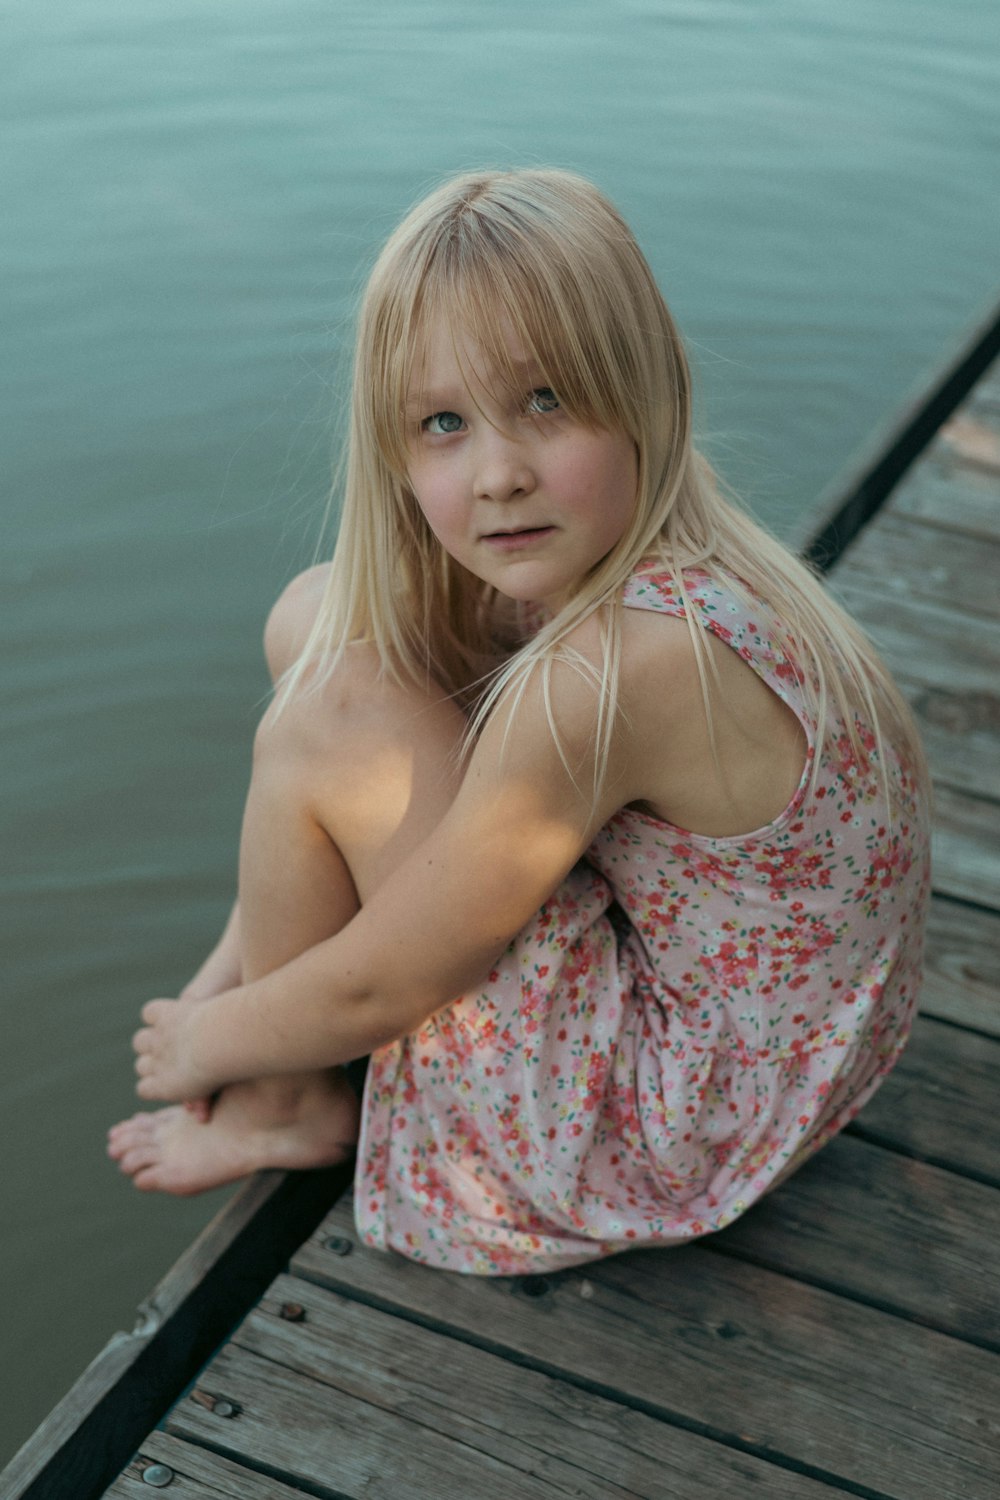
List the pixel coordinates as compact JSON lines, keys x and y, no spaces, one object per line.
{"x":269,"y":1123}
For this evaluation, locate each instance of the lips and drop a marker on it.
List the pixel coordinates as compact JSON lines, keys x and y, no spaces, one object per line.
{"x":515,"y":541}
{"x":517,"y":534}
{"x":517,"y":530}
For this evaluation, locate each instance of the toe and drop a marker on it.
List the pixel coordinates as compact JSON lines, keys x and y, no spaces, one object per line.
{"x":138,"y":1157}
{"x":128,"y":1133}
{"x":148,"y":1180}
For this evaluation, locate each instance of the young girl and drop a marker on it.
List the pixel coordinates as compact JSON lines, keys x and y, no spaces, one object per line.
{"x":580,"y":806}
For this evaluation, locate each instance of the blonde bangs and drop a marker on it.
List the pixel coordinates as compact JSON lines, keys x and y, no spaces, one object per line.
{"x":503,"y":270}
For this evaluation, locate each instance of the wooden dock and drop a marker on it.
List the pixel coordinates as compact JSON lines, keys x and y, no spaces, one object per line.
{"x":842,"y":1338}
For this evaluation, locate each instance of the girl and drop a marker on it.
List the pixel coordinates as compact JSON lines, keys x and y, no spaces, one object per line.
{"x":562,"y":734}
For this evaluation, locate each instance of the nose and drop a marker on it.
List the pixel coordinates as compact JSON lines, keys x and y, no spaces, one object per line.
{"x":503,"y":468}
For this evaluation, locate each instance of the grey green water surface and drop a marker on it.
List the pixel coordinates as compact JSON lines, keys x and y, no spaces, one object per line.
{"x":190,"y":193}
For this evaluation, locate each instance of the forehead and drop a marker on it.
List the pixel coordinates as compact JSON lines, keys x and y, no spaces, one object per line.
{"x":449,"y":354}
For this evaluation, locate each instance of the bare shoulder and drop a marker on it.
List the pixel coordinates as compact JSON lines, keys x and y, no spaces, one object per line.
{"x":715,"y":748}
{"x":292,"y":617}
{"x":656,"y":680}
{"x":657,"y":664}
{"x":649,"y":640}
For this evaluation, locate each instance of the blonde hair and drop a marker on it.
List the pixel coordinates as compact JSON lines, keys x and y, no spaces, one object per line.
{"x":541,"y":261}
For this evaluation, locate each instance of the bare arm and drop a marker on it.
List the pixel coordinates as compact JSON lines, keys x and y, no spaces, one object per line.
{"x":222,"y":969}
{"x":436,"y":926}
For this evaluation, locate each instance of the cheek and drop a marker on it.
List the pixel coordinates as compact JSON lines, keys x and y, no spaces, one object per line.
{"x":609,"y":477}
{"x":434,"y":499}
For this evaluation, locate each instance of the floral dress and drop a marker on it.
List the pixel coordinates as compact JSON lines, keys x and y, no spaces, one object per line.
{"x":683,"y":1023}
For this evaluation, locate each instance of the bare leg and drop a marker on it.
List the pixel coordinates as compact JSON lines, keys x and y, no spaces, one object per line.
{"x":346,"y":782}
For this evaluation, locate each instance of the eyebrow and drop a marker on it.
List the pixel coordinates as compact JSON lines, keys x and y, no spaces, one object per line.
{"x":428,"y":399}
{"x":438,"y":398}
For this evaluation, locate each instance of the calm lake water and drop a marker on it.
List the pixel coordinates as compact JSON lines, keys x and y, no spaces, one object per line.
{"x":191,"y":194}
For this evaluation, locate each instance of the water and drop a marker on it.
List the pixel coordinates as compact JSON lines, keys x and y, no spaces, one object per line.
{"x":193,"y":193}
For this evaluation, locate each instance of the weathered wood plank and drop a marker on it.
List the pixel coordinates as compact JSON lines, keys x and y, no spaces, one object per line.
{"x":197,"y":1474}
{"x":940,"y":1102}
{"x":754,"y":1357}
{"x":944,"y":493}
{"x":929,"y":643}
{"x":947,"y":662}
{"x":575,"y":1442}
{"x":318,"y":1435}
{"x":961,"y":735}
{"x":966,"y":850}
{"x":903,"y":558}
{"x":883,"y":1229}
{"x":962,"y":965}
{"x":973,"y":436}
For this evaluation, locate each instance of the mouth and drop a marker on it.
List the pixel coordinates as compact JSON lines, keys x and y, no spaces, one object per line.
{"x":513,"y":539}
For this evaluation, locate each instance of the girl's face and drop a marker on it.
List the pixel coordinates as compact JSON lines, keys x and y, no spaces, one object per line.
{"x":523,"y":497}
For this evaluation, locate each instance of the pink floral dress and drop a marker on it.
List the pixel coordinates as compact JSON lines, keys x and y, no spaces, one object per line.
{"x":683,"y":1023}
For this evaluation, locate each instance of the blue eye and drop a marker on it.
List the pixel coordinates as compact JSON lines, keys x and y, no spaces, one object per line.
{"x":442,"y":423}
{"x":542,"y":400}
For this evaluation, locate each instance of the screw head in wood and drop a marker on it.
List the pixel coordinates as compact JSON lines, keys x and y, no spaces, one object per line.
{"x":293,"y":1312}
{"x":224,"y":1408}
{"x":338,"y":1244}
{"x":158,"y":1475}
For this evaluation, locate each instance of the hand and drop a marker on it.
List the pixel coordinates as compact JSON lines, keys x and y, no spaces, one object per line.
{"x":165,"y":1053}
{"x":222,"y":970}
{"x":203,"y":1107}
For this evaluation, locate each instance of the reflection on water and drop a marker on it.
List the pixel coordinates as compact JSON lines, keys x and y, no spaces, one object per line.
{"x":195,"y":191}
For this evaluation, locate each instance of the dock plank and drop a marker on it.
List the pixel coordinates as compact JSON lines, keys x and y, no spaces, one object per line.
{"x":904,"y":559}
{"x":966,"y":849}
{"x":947,"y":662}
{"x":960,"y":730}
{"x":196,"y":1474}
{"x":318,"y":1436}
{"x":962,"y":965}
{"x":930,"y":643}
{"x":894,"y":1233}
{"x":973,"y":436}
{"x":940,"y":1102}
{"x":575,"y":1442}
{"x":952,"y":496}
{"x":822,"y":1381}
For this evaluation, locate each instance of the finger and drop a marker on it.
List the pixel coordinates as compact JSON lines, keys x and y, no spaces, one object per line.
{"x":141,"y":1040}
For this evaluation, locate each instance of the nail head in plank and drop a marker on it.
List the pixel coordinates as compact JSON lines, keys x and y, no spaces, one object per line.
{"x":198,"y":1474}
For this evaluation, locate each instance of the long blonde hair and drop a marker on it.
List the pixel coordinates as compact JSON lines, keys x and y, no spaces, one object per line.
{"x":541,"y":261}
